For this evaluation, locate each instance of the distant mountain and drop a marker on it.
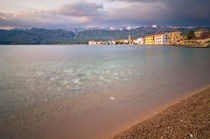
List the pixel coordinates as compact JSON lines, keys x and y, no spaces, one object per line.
{"x":81,"y":36}
{"x":34,"y":36}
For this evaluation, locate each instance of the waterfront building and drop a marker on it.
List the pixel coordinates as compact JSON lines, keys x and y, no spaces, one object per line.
{"x":150,"y":39}
{"x":175,"y":37}
{"x":135,"y":41}
{"x":126,"y":41}
{"x":129,"y":37}
{"x":112,"y":42}
{"x":91,"y":42}
{"x":199,"y":32}
{"x":120,"y":41}
{"x":162,"y":38}
{"x":130,"y":41}
{"x":140,"y":40}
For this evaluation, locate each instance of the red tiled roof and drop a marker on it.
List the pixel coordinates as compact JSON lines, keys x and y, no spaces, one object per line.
{"x":150,"y":35}
{"x":156,"y":34}
{"x":159,"y":33}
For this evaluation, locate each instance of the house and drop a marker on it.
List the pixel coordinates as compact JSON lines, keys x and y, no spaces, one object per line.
{"x":140,"y":40}
{"x":120,"y":41}
{"x":175,"y":37}
{"x":126,"y":41}
{"x":199,"y":32}
{"x":91,"y":42}
{"x":135,"y":41}
{"x":150,"y":39}
{"x":162,"y":38}
{"x":112,"y":42}
{"x":132,"y":41}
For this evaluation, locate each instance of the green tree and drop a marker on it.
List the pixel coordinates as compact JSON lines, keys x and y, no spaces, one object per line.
{"x":191,"y":35}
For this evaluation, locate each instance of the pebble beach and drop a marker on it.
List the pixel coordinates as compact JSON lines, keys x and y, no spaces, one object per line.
{"x":188,"y":118}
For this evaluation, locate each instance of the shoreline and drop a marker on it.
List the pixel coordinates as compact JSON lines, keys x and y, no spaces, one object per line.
{"x":168,"y":120}
{"x":172,"y":45}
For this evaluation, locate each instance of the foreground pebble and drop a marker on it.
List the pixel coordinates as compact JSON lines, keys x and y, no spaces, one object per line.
{"x":187,"y":119}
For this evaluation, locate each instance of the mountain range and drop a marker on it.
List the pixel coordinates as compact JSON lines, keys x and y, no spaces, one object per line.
{"x":82,"y":35}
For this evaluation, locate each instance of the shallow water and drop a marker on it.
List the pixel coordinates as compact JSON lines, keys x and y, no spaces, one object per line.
{"x":91,"y":91}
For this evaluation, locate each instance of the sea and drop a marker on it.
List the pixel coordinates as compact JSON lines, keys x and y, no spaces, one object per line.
{"x":82,"y":91}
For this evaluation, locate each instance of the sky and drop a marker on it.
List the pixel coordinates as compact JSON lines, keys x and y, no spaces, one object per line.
{"x":64,"y":14}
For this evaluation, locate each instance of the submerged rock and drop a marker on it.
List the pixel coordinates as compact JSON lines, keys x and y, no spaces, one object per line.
{"x":112,"y":98}
{"x":76,"y":88}
{"x":75,"y":81}
{"x":52,"y":78}
{"x":39,"y":73}
{"x":81,"y":75}
{"x":58,"y":89}
{"x":68,"y":70}
{"x":65,"y":82}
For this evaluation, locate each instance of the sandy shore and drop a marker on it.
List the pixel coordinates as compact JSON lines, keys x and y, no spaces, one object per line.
{"x":188,"y":118}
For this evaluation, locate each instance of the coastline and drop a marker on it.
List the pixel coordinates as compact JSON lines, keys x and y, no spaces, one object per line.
{"x":186,"y":117}
{"x":171,"y":45}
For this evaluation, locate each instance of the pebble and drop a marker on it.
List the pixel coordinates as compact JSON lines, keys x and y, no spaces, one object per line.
{"x":112,"y":98}
{"x":77,"y":88}
{"x":191,"y":135}
{"x":65,"y":82}
{"x":58,"y":89}
{"x":68,"y":71}
{"x":52,"y":78}
{"x":39,"y":73}
{"x":75,"y":81}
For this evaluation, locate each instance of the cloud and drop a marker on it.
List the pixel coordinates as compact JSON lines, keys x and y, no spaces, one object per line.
{"x":181,"y":12}
{"x":64,"y":15}
{"x":81,"y":9}
{"x":134,"y":12}
{"x":146,"y":1}
{"x":138,"y":13}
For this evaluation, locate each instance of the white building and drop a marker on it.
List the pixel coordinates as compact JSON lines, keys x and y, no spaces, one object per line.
{"x":140,"y":40}
{"x":135,"y":41}
{"x":162,"y":38}
{"x":91,"y":42}
{"x":126,"y":41}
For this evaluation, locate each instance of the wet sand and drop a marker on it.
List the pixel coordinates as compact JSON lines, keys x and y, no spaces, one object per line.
{"x":185,"y":118}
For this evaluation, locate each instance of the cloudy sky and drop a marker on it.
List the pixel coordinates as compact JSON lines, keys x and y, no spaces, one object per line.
{"x":86,"y":13}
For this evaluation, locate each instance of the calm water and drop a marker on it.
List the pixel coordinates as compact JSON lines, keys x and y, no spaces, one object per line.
{"x":91,"y":91}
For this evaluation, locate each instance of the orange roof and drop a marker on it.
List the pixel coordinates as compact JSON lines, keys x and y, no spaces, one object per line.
{"x":156,"y":34}
{"x":150,"y":35}
{"x":141,"y":37}
{"x":160,"y":33}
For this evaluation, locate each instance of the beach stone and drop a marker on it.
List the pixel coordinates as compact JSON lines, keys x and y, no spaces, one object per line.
{"x":68,"y":70}
{"x":52,"y":78}
{"x":77,"y":88}
{"x":65,"y":82}
{"x":58,"y":89}
{"x":191,"y":135}
{"x":75,"y":81}
{"x":112,"y":98}
{"x":39,"y":73}
{"x":81,"y":75}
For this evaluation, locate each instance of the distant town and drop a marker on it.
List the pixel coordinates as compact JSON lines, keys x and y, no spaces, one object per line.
{"x":198,"y":37}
